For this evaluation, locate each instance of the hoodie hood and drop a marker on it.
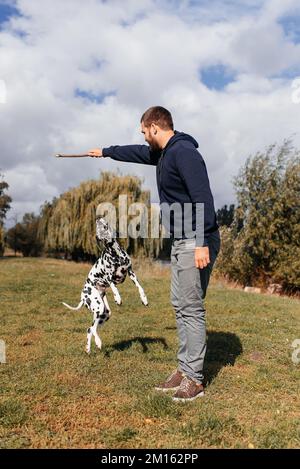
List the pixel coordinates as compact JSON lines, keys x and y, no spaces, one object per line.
{"x":181,"y":136}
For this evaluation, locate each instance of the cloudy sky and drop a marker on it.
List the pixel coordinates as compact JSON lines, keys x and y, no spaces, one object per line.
{"x":79,"y":75}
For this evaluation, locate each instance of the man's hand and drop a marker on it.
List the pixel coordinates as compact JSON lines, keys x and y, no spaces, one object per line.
{"x":201,"y":257}
{"x":95,"y":153}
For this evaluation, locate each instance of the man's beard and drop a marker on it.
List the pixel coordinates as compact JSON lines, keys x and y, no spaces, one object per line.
{"x":154,"y":146}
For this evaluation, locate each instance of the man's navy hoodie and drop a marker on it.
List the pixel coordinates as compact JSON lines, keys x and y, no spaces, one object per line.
{"x":180,"y":173}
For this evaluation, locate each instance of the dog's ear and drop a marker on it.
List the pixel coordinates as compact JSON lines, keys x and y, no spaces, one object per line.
{"x":99,"y":242}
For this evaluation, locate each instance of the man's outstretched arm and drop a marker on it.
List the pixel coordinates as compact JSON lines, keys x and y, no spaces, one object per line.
{"x":141,"y":154}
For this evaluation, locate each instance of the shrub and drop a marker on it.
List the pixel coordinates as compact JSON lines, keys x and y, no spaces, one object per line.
{"x":262,"y":244}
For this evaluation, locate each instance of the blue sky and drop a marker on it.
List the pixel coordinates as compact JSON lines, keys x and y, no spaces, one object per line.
{"x":96,"y":98}
{"x":6,"y":11}
{"x":216,"y":77}
{"x":291,"y":27}
{"x":227,"y":70}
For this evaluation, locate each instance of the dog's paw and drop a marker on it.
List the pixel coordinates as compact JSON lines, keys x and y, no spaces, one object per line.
{"x":98,"y":343}
{"x":88,"y":351}
{"x":118,"y":300}
{"x":144,"y":299}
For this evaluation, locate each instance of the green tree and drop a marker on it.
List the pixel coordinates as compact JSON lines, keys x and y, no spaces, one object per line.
{"x":2,"y":243}
{"x":225,"y":215}
{"x":5,"y":201}
{"x":23,"y":236}
{"x":67,"y":225}
{"x":262,"y":244}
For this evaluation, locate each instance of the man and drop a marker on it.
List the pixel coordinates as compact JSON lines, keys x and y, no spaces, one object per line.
{"x":182,"y":180}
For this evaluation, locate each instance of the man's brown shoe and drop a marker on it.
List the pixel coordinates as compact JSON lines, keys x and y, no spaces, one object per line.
{"x":188,"y":390}
{"x":172,"y":383}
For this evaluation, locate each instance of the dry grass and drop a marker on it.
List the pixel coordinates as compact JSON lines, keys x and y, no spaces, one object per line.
{"x":53,"y":395}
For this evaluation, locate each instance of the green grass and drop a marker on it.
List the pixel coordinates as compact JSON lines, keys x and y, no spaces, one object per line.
{"x":53,"y":395}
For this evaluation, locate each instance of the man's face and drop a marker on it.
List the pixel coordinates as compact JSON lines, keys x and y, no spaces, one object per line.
{"x":150,"y":134}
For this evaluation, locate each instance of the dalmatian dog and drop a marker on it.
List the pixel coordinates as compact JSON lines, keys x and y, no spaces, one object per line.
{"x":109,"y":270}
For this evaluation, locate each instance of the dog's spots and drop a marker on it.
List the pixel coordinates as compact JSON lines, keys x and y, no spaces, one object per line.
{"x":111,"y":268}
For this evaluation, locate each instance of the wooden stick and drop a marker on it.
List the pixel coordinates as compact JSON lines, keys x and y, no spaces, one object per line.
{"x":59,"y":155}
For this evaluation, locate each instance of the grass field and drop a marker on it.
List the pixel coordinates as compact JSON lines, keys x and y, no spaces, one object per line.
{"x":54,"y":395}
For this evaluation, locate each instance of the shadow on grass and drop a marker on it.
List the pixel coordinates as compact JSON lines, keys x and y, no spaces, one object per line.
{"x":5,"y":258}
{"x":222,"y":350}
{"x":143,"y":341}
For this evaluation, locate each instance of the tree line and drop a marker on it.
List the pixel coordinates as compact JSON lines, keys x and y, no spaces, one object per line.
{"x":260,"y":234}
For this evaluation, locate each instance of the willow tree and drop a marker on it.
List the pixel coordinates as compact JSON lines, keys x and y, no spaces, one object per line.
{"x":68,"y":223}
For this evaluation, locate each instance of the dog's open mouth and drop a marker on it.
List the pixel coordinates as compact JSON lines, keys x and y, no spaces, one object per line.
{"x":104,"y":233}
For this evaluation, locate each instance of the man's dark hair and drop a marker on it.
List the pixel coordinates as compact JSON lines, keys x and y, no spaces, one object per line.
{"x":159,"y":116}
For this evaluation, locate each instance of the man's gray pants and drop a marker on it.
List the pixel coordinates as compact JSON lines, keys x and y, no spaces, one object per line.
{"x":188,"y":290}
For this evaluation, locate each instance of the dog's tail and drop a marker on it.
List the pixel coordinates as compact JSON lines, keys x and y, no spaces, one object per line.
{"x":71,"y":307}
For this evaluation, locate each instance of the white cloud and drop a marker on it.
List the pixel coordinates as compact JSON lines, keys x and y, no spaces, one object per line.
{"x":29,"y":187}
{"x":148,"y":53}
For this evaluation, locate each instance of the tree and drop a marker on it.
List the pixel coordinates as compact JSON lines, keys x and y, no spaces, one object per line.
{"x":262,"y":244}
{"x":5,"y":201}
{"x":225,"y":216}
{"x":23,"y":236}
{"x":67,"y":225}
{"x":2,"y":244}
